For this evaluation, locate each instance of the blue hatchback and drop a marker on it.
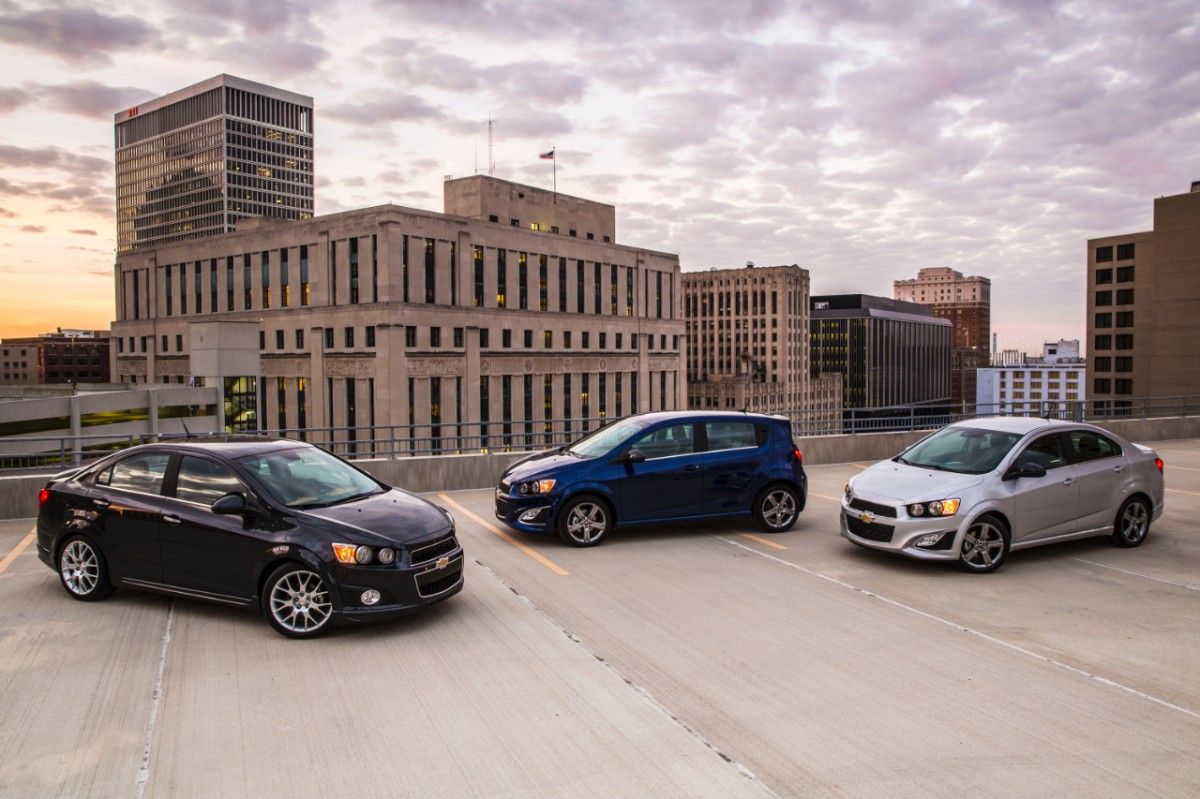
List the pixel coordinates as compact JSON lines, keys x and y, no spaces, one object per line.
{"x":658,"y":467}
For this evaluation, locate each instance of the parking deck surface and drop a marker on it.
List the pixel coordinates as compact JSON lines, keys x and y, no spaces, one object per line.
{"x":687,"y":660}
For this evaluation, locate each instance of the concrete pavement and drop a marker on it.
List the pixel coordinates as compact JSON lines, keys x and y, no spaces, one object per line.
{"x":684,"y":660}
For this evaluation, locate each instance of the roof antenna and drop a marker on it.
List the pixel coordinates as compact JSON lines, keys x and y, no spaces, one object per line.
{"x":186,"y":433}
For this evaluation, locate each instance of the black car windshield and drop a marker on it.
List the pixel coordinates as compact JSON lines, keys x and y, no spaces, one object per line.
{"x":601,"y":441}
{"x":307,"y":477}
{"x":967,"y":450}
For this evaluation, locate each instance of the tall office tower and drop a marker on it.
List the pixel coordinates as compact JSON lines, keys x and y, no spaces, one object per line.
{"x":192,"y":163}
{"x":890,"y":353}
{"x":1143,"y":291}
{"x":747,"y":335}
{"x":967,"y":303}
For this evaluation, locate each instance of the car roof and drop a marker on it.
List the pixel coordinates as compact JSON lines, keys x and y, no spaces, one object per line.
{"x":1014,"y":424}
{"x":663,"y":416}
{"x":230,"y":446}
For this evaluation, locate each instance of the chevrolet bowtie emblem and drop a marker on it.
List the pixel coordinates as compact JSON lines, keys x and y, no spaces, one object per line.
{"x":867,"y":517}
{"x":442,"y":563}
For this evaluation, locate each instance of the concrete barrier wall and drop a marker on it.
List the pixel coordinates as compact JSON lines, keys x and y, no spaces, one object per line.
{"x":18,"y":493}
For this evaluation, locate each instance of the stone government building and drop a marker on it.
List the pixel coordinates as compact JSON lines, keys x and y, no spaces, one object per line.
{"x":513,"y":308}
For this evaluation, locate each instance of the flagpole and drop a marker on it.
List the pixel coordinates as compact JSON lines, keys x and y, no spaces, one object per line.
{"x":554,"y":161}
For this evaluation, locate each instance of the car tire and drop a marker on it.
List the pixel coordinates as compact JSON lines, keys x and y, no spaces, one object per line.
{"x":1132,"y":524}
{"x":297,"y":601}
{"x":584,"y":521}
{"x":83,"y":570}
{"x":777,"y":508}
{"x":985,"y":546}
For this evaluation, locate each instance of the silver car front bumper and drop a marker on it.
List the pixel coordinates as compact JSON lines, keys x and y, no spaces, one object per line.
{"x":878,"y":530}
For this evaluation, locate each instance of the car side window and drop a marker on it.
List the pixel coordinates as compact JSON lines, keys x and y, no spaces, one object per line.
{"x":1046,"y":452}
{"x":1089,"y":446}
{"x":143,"y":472}
{"x":203,"y":481}
{"x":665,"y":442}
{"x":732,"y":435}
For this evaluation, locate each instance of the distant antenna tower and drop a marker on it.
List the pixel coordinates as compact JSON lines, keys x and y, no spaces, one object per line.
{"x":491,"y":150}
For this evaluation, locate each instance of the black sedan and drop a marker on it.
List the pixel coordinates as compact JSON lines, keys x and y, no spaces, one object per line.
{"x":258,"y":523}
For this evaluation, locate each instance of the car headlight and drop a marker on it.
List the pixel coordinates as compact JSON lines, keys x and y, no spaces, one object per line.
{"x":846,"y":490}
{"x":449,"y":517}
{"x":353,"y":553}
{"x":534,"y":487}
{"x":938,"y":507}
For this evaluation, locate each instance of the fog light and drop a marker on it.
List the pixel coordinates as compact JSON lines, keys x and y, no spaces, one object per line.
{"x":386,"y":556}
{"x":363,"y":554}
{"x":531,"y":515}
{"x":929,"y":540}
{"x":370,"y":597}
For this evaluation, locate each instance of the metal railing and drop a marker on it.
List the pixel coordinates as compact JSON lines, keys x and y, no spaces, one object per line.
{"x":521,"y":435}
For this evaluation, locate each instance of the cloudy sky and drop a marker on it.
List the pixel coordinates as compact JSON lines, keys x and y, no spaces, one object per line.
{"x":862,"y":139}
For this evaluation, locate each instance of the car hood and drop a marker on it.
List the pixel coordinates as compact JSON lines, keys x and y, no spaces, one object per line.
{"x":903,"y":483}
{"x":393,"y":517}
{"x":542,"y":464}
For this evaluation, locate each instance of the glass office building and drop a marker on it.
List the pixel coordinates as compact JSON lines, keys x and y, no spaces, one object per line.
{"x":192,"y":163}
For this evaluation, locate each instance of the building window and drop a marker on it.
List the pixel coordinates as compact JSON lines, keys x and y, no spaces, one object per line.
{"x":281,"y":401}
{"x":597,"y":279}
{"x":183,"y":288}
{"x":453,"y":273}
{"x":484,"y":409}
{"x":603,"y":341}
{"x":543,"y":284}
{"x":562,"y":285}
{"x":547,"y":339}
{"x":1124,"y":253}
{"x":435,"y":413}
{"x":1124,"y":274}
{"x":1124,"y":296}
{"x":477,"y":253}
{"x":430,"y":272}
{"x":299,"y":338}
{"x":198,"y":284}
{"x":1124,"y":341}
{"x":435,"y":337}
{"x":567,"y":339}
{"x":404,"y":273}
{"x":506,"y":408}
{"x":506,"y":339}
{"x":1104,"y":254}
{"x":1104,"y":276}
{"x":354,"y":270}
{"x":370,"y":335}
{"x":247,"y":282}
{"x":658,"y":294}
{"x":167,"y":289}
{"x":1124,"y":363}
{"x":458,"y":337}
{"x":567,"y":396}
{"x":612,"y":300}
{"x":1103,"y":320}
{"x":1103,"y":363}
{"x":212,"y":285}
{"x":528,"y":339}
{"x":1103,"y":342}
{"x":1103,"y":298}
{"x":629,"y":291}
{"x":579,"y":287}
{"x":349,"y":337}
{"x":522,"y":280}
{"x":1124,"y":318}
{"x":584,"y":336}
{"x":278,"y":339}
{"x":262,"y":340}
{"x":483,"y":338}
{"x":374,"y":280}
{"x":501,"y":278}
{"x":329,"y":338}
{"x":618,"y":343}
{"x":266,"y":279}
{"x":229,"y":283}
{"x":1123,"y":384}
{"x":410,"y":336}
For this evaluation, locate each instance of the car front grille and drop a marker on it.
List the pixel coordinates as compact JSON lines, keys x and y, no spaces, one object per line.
{"x":869,"y":530}
{"x":423,"y":553}
{"x":432,"y":583}
{"x":873,"y":507}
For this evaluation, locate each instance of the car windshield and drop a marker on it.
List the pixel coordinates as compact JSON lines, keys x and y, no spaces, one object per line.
{"x":307,"y":477}
{"x":967,"y":450}
{"x":605,"y":439}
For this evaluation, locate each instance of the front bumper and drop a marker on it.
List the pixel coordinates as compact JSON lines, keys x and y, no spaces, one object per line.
{"x":876,"y":530}
{"x":402,"y":589}
{"x":530,"y":514}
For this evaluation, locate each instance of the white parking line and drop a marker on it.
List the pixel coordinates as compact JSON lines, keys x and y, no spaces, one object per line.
{"x":972,"y":631}
{"x":1139,"y":574}
{"x":143,"y":773}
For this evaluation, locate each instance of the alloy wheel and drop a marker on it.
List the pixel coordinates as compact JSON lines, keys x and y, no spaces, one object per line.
{"x":300,"y":602}
{"x":1134,"y":522}
{"x":983,"y":546}
{"x":80,"y":568}
{"x":779,"y":508}
{"x":586,"y":522}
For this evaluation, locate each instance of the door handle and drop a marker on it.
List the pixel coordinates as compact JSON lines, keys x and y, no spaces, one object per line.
{"x":691,"y":468}
{"x":1118,"y":468}
{"x":169,"y":519}
{"x":101,"y":503}
{"x":1069,"y":481}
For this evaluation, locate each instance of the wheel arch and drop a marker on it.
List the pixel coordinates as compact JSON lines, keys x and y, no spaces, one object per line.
{"x":590,"y":491}
{"x":298,"y":556}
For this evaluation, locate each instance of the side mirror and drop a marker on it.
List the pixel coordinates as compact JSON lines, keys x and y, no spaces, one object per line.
{"x":1027,"y":470}
{"x":230,"y":505}
{"x":635,"y":455}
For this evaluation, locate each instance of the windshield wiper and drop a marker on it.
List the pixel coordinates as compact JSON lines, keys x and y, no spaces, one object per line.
{"x":339,"y":501}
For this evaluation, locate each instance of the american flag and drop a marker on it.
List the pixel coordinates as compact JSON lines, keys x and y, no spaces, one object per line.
{"x":548,"y":154}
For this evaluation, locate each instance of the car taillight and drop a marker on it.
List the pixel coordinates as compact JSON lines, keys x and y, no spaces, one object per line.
{"x":43,"y":495}
{"x":798,"y":455}
{"x":1159,"y":463}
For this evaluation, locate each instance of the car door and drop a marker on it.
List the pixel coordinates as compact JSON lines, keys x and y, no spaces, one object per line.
{"x":1045,"y":506}
{"x":733,"y":455}
{"x":665,"y":485}
{"x":202,"y":551}
{"x":1102,"y":471}
{"x":127,"y":499}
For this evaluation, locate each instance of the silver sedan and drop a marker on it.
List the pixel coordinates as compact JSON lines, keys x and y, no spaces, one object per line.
{"x":977,"y":490}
